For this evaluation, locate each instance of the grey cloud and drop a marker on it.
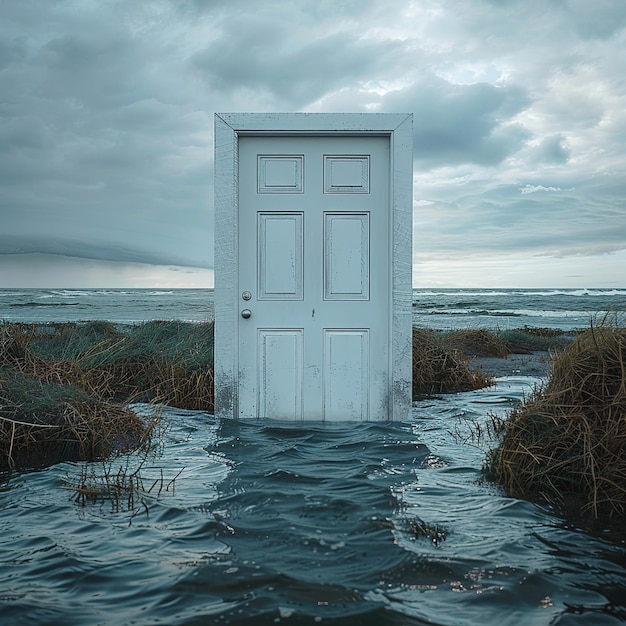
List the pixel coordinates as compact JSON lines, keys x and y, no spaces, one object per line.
{"x":550,"y":221}
{"x":11,"y":50}
{"x":599,"y":19}
{"x":106,"y":115}
{"x":95,"y":69}
{"x":462,"y":123}
{"x":551,"y":150}
{"x":539,"y":19}
{"x":90,"y":249}
{"x":257,"y":53}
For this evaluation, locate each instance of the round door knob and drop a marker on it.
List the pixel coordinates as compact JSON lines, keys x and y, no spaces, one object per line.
{"x":246,"y":313}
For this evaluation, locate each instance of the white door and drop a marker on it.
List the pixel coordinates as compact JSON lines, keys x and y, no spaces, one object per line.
{"x":313,"y":240}
{"x":314,"y":277}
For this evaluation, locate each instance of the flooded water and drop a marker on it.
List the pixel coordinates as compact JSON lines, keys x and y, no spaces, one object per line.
{"x":263,"y":523}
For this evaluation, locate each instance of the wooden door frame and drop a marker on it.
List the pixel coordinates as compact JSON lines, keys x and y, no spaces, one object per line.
{"x":228,"y":128}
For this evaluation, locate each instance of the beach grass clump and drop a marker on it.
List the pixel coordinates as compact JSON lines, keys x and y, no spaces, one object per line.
{"x":439,"y":368}
{"x":567,"y":444}
{"x":477,"y":342}
{"x":164,"y":361}
{"x":42,"y":423}
{"x":169,"y":362}
{"x":68,"y":341}
{"x":528,"y":340}
{"x":63,"y":387}
{"x":16,"y":353}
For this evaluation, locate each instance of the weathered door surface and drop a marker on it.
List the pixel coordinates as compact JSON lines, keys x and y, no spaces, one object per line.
{"x":311,"y":291}
{"x":314,"y":255}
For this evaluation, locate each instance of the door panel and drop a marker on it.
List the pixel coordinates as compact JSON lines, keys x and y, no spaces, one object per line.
{"x":346,"y":374}
{"x":279,"y":174}
{"x":314,"y":273}
{"x":280,"y":249}
{"x":280,"y":373}
{"x":346,"y":256}
{"x":346,"y":174}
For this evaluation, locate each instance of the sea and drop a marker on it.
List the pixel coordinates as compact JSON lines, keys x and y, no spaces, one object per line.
{"x":432,"y":308}
{"x":265,"y":522}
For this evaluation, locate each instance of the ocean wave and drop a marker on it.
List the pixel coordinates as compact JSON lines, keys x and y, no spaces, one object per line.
{"x":28,"y":305}
{"x":581,"y":292}
{"x":504,"y":313}
{"x":462,"y":293}
{"x":82,"y":293}
{"x":65,"y":293}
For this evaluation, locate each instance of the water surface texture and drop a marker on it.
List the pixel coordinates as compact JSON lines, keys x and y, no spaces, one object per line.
{"x":271,"y":523}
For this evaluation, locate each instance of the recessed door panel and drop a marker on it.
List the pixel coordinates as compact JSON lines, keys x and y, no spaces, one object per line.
{"x":279,"y":370}
{"x":346,"y":374}
{"x":279,"y":173}
{"x":280,"y":249}
{"x":347,"y":173}
{"x":346,"y":256}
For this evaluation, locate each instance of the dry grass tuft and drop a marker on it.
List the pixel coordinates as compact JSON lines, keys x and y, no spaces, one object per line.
{"x":477,"y":342}
{"x":63,"y":387}
{"x":567,"y":443}
{"x":123,"y":486}
{"x":43,"y":423}
{"x":438,"y":368}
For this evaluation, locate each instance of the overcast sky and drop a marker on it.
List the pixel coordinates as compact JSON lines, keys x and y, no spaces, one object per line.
{"x":106,"y":129}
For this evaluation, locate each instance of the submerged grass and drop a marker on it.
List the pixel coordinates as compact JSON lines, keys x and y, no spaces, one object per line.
{"x":42,"y":423}
{"x":124,"y":486}
{"x":567,"y":444}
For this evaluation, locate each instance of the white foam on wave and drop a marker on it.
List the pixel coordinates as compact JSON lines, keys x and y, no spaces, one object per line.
{"x":523,"y":292}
